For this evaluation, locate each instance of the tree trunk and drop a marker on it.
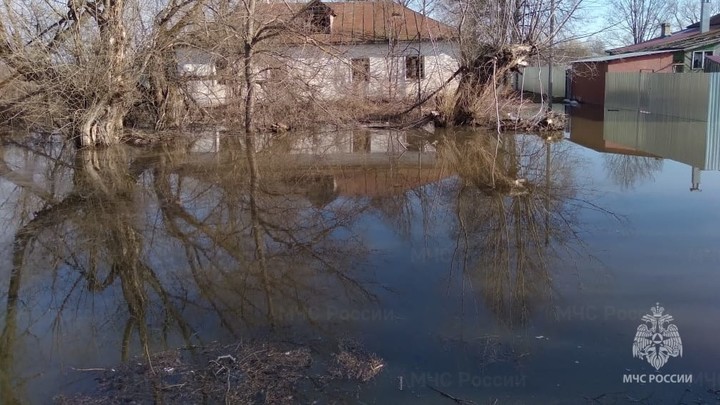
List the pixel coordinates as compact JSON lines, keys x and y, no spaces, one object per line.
{"x":102,"y":122}
{"x":473,"y":83}
{"x":102,"y":125}
{"x":167,"y":99}
{"x":480,"y":76}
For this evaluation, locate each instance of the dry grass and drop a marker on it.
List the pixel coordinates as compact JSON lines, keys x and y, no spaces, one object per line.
{"x":266,"y":373}
{"x":354,"y":363}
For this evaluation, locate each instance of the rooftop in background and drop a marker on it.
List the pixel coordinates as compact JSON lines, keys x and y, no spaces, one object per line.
{"x":714,"y":58}
{"x":358,"y":22}
{"x":688,"y":38}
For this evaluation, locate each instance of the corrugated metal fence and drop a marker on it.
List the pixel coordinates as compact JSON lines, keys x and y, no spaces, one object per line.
{"x":671,"y":115}
{"x":535,"y":80}
{"x":684,"y":95}
{"x":712,"y":154}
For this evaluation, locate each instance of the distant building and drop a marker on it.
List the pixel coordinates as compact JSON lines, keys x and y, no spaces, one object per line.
{"x":693,"y":49}
{"x":337,"y":49}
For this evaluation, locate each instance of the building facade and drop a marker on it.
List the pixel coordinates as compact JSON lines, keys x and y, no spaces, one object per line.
{"x":334,"y":50}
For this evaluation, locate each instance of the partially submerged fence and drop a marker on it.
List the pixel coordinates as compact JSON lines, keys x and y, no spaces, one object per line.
{"x":682,"y":95}
{"x":535,"y":80}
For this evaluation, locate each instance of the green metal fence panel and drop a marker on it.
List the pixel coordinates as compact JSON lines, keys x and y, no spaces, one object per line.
{"x":681,"y":95}
{"x":535,"y":80}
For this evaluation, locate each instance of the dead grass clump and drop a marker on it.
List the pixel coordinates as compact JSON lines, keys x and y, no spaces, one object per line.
{"x":507,"y":111}
{"x":354,"y":363}
{"x":268,"y":373}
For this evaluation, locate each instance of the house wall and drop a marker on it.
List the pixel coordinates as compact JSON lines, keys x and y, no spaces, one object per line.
{"x":659,"y":63}
{"x":328,"y":72}
{"x":198,"y":71}
{"x":715,"y":48}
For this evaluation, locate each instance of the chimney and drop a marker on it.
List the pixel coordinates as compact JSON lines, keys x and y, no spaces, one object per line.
{"x":664,"y":30}
{"x":704,"y":16}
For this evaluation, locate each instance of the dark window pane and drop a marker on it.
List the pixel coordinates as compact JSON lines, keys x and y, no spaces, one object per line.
{"x":360,"y":69}
{"x":415,"y":67}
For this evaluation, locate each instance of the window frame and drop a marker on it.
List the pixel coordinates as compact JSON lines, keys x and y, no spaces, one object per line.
{"x":415,"y":67}
{"x":360,"y":70}
{"x":703,"y":55}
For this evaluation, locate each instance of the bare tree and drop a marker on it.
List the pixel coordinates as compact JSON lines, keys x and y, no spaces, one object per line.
{"x":637,"y":20}
{"x":499,"y":36}
{"x":687,"y":12}
{"x":85,"y":64}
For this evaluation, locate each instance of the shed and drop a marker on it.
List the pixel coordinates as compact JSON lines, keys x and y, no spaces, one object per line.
{"x":712,"y":64}
{"x":588,"y":75}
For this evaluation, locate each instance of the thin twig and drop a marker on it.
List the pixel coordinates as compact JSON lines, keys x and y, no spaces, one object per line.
{"x":446,"y":395}
{"x":92,"y":369}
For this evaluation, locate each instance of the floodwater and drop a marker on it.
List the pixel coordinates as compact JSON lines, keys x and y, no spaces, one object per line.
{"x":516,"y":272}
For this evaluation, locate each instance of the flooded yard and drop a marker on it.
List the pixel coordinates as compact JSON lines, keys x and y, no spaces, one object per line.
{"x":504,"y":272}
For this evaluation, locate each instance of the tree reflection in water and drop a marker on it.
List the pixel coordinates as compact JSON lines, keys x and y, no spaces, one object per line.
{"x":628,"y":170}
{"x":172,"y":245}
{"x":165,"y":234}
{"x":517,"y":206}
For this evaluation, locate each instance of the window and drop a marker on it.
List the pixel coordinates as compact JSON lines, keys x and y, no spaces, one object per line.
{"x":320,"y":19}
{"x":415,"y":67}
{"x":360,"y":70}
{"x":698,"y":59}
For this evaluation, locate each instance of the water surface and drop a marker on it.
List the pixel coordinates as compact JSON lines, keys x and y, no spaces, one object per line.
{"x":516,"y":272}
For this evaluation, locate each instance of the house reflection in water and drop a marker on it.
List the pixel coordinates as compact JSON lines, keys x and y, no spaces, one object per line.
{"x":371,"y":163}
{"x":353,"y":163}
{"x":649,"y":136}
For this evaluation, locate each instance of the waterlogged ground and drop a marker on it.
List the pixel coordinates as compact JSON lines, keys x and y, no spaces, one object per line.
{"x":516,"y":272}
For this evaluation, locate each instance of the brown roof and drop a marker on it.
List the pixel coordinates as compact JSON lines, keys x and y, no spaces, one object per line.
{"x":361,"y":21}
{"x":381,"y":21}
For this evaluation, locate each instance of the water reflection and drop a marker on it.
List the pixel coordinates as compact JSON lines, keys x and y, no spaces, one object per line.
{"x":124,"y":251}
{"x":178,"y":238}
{"x":516,"y":205}
{"x":636,"y":141}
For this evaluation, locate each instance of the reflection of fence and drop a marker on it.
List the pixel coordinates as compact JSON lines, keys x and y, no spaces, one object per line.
{"x":682,"y":140}
{"x":535,"y":80}
{"x":671,"y":115}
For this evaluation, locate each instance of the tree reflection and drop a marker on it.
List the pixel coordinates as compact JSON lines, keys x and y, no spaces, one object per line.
{"x":627,"y":170}
{"x":165,"y":233}
{"x":517,"y":205}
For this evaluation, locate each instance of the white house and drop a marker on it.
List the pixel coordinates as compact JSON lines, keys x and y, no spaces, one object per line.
{"x":371,"y":49}
{"x":199,"y":70}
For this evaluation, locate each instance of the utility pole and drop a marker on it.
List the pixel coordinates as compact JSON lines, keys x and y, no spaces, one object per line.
{"x":550,"y":54}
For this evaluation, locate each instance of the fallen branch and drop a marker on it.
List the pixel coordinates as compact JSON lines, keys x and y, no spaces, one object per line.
{"x":92,"y":369}
{"x":446,"y":395}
